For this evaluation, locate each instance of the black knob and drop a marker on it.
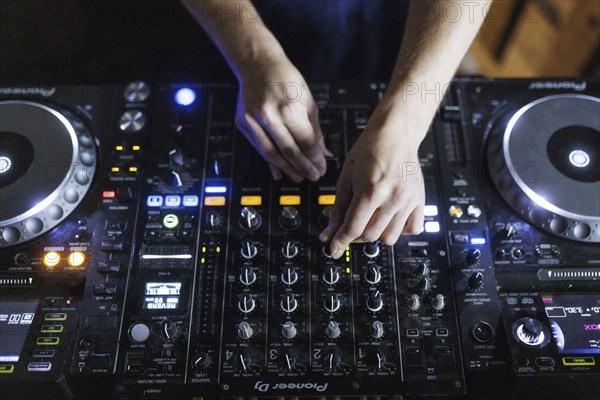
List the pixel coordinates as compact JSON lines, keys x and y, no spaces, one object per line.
{"x":509,"y":231}
{"x":424,"y":285}
{"x":375,"y":301}
{"x":250,"y":219}
{"x":331,"y":276}
{"x":324,"y":216}
{"x":289,"y":218}
{"x":288,"y":361}
{"x":246,"y":303}
{"x":176,"y":158}
{"x":326,"y":250}
{"x":422,"y":269}
{"x":248,"y":249}
{"x":201,"y":361}
{"x":213,"y":219}
{"x":475,"y":280}
{"x":473,"y":256}
{"x":332,"y":302}
{"x":169,"y":329}
{"x":529,"y":331}
{"x":289,"y":249}
{"x":332,"y":360}
{"x":482,"y":332}
{"x":378,"y":360}
{"x":242,"y":362}
{"x":373,"y":274}
{"x":289,"y":302}
{"x":289,"y":276}
{"x":371,"y":250}
{"x":247,"y":275}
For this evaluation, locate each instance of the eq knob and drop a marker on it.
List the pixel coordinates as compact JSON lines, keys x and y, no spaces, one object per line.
{"x":371,"y":250}
{"x":475,"y":280}
{"x":413,"y":302}
{"x":332,"y":302}
{"x":248,"y":249}
{"x":438,"y":302}
{"x":375,"y":301}
{"x":201,"y":361}
{"x":332,"y":360}
{"x":289,"y":249}
{"x":245,"y":331}
{"x":213,"y":219}
{"x":246,"y":303}
{"x":376,"y":330}
{"x":422,"y":269}
{"x":169,"y":329}
{"x":331,"y":276}
{"x":423,"y":285}
{"x":289,"y":302}
{"x":332,"y":330}
{"x":289,"y":276}
{"x":373,"y":274}
{"x":249,"y":218}
{"x":289,"y":330}
{"x":289,"y":218}
{"x":247,"y":275}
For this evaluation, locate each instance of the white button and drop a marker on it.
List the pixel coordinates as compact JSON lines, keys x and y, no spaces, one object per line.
{"x":190,"y":201}
{"x":39,"y":366}
{"x":473,"y":211}
{"x":432,"y":226}
{"x":430,"y":211}
{"x":154,"y":201}
{"x":172,"y":201}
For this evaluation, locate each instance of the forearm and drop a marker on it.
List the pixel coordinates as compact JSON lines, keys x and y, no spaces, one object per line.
{"x":237,"y":30}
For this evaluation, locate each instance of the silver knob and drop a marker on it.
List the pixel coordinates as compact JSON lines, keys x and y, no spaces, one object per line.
{"x":289,"y":331}
{"x":376,"y":329}
{"x":331,"y":276}
{"x":289,"y":276}
{"x":245,"y":331}
{"x":249,"y":218}
{"x":289,"y":302}
{"x":289,"y":218}
{"x":136,"y":91}
{"x":438,"y":302}
{"x":246,"y":303}
{"x":139,"y":333}
{"x":132,"y":121}
{"x":373,"y":274}
{"x":413,"y":302}
{"x":332,"y":302}
{"x":332,"y":330}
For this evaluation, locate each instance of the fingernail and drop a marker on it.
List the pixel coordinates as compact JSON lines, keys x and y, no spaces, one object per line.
{"x":337,"y":253}
{"x":324,"y":236}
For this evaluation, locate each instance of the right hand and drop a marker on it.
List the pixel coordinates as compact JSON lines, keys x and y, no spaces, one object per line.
{"x":279,"y":117}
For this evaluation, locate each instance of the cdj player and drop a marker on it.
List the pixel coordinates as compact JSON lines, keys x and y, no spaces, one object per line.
{"x":146,"y":253}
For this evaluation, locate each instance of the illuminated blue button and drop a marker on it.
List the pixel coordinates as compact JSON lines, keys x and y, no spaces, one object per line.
{"x":215,"y":189}
{"x":477,"y":240}
{"x":172,"y":201}
{"x":432,"y":226}
{"x":154,"y":201}
{"x":430,"y":211}
{"x":190,"y":201}
{"x":185,"y":96}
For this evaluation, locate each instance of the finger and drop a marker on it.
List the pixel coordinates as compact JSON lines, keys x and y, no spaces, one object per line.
{"x":414,"y":224}
{"x":305,"y":136}
{"x":276,"y":172}
{"x":343,"y":197}
{"x":391,"y":234}
{"x":380,"y":220}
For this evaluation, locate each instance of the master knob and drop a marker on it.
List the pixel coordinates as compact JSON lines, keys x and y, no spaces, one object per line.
{"x":375,"y":301}
{"x":289,"y":302}
{"x":413,"y":302}
{"x":438,"y":302}
{"x":247,"y":275}
{"x":332,"y":330}
{"x":289,"y":218}
{"x":289,"y":330}
{"x":246,"y":303}
{"x":376,"y":330}
{"x":289,"y":276}
{"x":373,"y":274}
{"x":289,"y":249}
{"x":201,"y":361}
{"x":248,"y":249}
{"x":245,"y":331}
{"x":371,"y":250}
{"x":331,"y":275}
{"x":332,"y":302}
{"x":249,"y":218}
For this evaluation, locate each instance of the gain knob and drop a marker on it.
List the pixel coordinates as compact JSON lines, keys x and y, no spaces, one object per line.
{"x":371,"y":250}
{"x":289,"y":330}
{"x":438,"y":302}
{"x":247,"y":275}
{"x":289,"y":276}
{"x":332,"y":330}
{"x":289,"y":218}
{"x":139,"y":332}
{"x":376,"y":330}
{"x":475,"y":280}
{"x":289,"y":303}
{"x":248,"y":249}
{"x":169,"y":329}
{"x":201,"y":361}
{"x":413,"y":302}
{"x":373,"y":274}
{"x":332,"y":360}
{"x":332,"y":302}
{"x":249,"y":218}
{"x":245,"y":331}
{"x":375,"y":301}
{"x":331,"y":276}
{"x":289,"y":249}
{"x":246,"y":303}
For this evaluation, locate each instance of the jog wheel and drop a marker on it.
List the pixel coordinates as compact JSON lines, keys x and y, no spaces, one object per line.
{"x":545,"y":161}
{"x":47,"y":165}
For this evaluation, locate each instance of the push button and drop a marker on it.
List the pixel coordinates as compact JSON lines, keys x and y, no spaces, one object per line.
{"x":55,"y":317}
{"x":39,"y":366}
{"x":52,"y":329}
{"x":48,"y":341}
{"x":579,"y":361}
{"x":43,"y":354}
{"x":6,"y":368}
{"x":105,"y":288}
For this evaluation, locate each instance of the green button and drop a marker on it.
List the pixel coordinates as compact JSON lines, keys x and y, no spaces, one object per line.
{"x":48,"y":341}
{"x":170,"y":221}
{"x":579,"y":361}
{"x":6,"y":368}
{"x":55,"y":317}
{"x":52,"y":328}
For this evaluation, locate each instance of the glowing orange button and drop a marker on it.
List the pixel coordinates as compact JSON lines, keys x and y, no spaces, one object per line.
{"x":326,"y":199}
{"x":51,"y":259}
{"x":251,"y":200}
{"x":214,"y":201}
{"x":289,"y":200}
{"x":76,"y":259}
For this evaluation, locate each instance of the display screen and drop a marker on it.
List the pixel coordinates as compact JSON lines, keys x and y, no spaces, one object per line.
{"x":575,"y":322}
{"x":162,"y":295}
{"x":15,"y":319}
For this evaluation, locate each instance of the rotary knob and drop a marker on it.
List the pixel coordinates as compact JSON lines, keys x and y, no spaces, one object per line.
{"x":475,"y":280}
{"x":289,"y":218}
{"x":473,"y":256}
{"x":509,"y":231}
{"x":169,"y":329}
{"x":332,"y":360}
{"x":413,"y":302}
{"x":373,"y":274}
{"x":246,"y":303}
{"x":371,"y":250}
{"x":376,"y":330}
{"x":136,"y":92}
{"x":201,"y":361}
{"x":249,"y":218}
{"x":132,"y":121}
{"x":245,"y":331}
{"x":289,"y":276}
{"x":422,"y":269}
{"x":139,"y":332}
{"x":247,"y":275}
{"x":530,"y":331}
{"x":288,"y":361}
{"x":289,"y":330}
{"x":248,"y":249}
{"x":326,"y":250}
{"x":331,"y":276}
{"x":375,"y":301}
{"x":243,"y":362}
{"x":378,"y":360}
{"x":289,"y":249}
{"x":213,"y":219}
{"x":324,"y":216}
{"x":438,"y":302}
{"x":332,"y":330}
{"x":289,"y":303}
{"x":423,"y":285}
{"x":332,"y":302}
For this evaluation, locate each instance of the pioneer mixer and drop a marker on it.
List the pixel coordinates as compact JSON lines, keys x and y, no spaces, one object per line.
{"x":146,"y":253}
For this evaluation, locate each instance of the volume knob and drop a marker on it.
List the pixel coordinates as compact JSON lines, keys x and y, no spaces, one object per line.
{"x":201,"y":361}
{"x":169,"y":329}
{"x":249,"y":218}
{"x":289,"y":218}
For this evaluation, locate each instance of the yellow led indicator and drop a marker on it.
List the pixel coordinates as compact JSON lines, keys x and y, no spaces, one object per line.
{"x":202,"y":260}
{"x":289,"y":200}
{"x":214,"y":201}
{"x":119,"y":148}
{"x":133,"y":169}
{"x":51,"y":259}
{"x":135,"y":148}
{"x":326,"y":199}
{"x":251,"y":200}
{"x":218,"y":249}
{"x":204,"y":249}
{"x":455,"y":211}
{"x":347,"y":270}
{"x":115,"y":169}
{"x":347,"y":259}
{"x":76,"y":259}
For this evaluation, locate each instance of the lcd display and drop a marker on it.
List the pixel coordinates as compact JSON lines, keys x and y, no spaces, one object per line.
{"x":15,"y":319}
{"x":162,"y":295}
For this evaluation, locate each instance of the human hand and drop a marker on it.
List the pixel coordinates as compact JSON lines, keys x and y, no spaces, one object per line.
{"x":380,"y":192}
{"x":278,"y":115}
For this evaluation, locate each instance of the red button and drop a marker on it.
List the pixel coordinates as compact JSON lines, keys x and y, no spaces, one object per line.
{"x":109,"y":194}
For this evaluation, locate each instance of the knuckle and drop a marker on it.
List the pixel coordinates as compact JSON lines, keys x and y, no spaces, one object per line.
{"x":368,"y":237}
{"x":396,"y":195}
{"x":352,"y":231}
{"x":389,"y":240}
{"x":267,"y":114}
{"x":289,"y":152}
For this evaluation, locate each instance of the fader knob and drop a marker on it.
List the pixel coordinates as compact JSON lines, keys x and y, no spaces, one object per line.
{"x":247,"y":275}
{"x":245,"y":331}
{"x":289,"y":249}
{"x":373,"y":274}
{"x":331,"y":276}
{"x":375,"y":301}
{"x":246,"y":303}
{"x":332,"y":330}
{"x":289,"y":330}
{"x":289,"y":276}
{"x":371,"y":250}
{"x":376,"y":330}
{"x":249,"y":218}
{"x":289,"y":218}
{"x":289,"y":302}
{"x":248,"y":249}
{"x":438,"y":302}
{"x":413,"y":302}
{"x":332,"y":302}
{"x":475,"y":280}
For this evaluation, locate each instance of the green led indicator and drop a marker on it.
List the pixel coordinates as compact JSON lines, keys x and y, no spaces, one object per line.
{"x":170,"y":221}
